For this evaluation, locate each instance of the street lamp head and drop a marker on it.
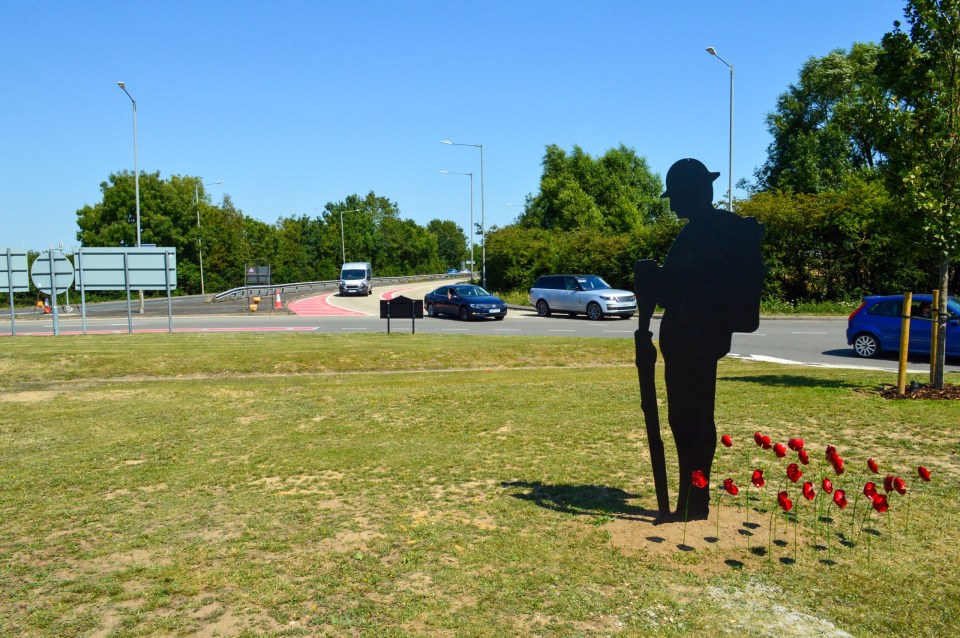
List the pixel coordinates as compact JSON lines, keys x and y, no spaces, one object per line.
{"x":711,"y":51}
{"x":122,"y":85}
{"x":445,"y":171}
{"x":446,"y":142}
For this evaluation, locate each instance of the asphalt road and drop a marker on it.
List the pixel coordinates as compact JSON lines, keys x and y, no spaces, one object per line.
{"x":806,"y":341}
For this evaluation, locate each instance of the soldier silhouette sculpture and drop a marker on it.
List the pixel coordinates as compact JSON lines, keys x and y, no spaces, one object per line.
{"x":709,"y":287}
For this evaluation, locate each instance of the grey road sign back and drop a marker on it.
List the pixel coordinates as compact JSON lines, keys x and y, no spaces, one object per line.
{"x":13,"y":271}
{"x":61,"y":276}
{"x":144,"y":268}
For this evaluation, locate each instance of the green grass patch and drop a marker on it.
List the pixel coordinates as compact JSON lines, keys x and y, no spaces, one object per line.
{"x":429,"y":485}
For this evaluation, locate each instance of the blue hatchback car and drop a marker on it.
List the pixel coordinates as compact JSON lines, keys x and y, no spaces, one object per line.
{"x":874,"y":327}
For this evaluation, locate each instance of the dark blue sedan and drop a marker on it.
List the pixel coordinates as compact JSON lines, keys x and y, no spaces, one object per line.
{"x":874,"y":327}
{"x":465,"y":301}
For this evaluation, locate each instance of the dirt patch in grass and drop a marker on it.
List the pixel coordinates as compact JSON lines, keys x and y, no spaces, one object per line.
{"x":36,"y":396}
{"x":704,"y":547}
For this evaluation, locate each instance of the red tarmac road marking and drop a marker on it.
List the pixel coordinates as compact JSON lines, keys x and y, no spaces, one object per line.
{"x":387,"y":296}
{"x":320,"y":306}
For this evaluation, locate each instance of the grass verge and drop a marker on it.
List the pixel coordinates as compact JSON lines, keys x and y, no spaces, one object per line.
{"x":424,"y":485}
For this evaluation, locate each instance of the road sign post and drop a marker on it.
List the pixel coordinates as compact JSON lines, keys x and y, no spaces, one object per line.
{"x":52,"y":273}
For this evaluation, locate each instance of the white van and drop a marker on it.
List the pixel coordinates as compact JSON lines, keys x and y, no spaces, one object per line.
{"x":356,"y":278}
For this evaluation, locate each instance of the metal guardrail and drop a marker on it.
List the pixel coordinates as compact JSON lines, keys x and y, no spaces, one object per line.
{"x":245,"y":292}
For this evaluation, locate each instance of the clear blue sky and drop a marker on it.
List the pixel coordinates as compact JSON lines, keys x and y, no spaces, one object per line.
{"x":296,"y":104}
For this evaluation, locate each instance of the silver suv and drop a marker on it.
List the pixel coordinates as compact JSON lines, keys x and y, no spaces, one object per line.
{"x":581,"y":294}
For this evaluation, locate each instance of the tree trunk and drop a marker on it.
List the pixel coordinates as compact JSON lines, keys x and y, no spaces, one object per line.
{"x":942,"y":321}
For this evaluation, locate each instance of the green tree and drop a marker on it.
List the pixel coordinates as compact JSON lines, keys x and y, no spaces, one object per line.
{"x":167,"y":218}
{"x":451,"y":242}
{"x":225,"y":245}
{"x":615,"y":193}
{"x":922,"y":68}
{"x":828,"y":125}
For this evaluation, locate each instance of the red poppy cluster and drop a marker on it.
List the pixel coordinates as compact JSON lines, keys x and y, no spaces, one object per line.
{"x":878,"y":500}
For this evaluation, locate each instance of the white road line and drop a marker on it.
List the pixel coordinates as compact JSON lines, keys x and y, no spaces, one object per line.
{"x":454,"y":329}
{"x":558,"y":330}
{"x":506,"y":329}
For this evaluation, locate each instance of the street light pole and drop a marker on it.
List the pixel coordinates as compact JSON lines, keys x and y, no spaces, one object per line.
{"x":136,"y":170}
{"x":712,"y":51}
{"x":196,"y":194}
{"x":483,"y":214}
{"x":470,"y":233}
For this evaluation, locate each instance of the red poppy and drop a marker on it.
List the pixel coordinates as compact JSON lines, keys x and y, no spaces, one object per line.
{"x":924,"y":473}
{"x":888,"y":483}
{"x":699,"y":480}
{"x":757,"y":479}
{"x":873,"y":466}
{"x":731,"y":488}
{"x":758,"y":439}
{"x":795,"y":444}
{"x":804,"y":457}
{"x":870,"y":489}
{"x":900,"y":485}
{"x":827,"y":485}
{"x":840,"y":498}
{"x":830,"y":451}
{"x":793,"y":472}
{"x":808,"y":492}
{"x":880,"y":503}
{"x":837,"y":464}
{"x":784,"y":502}
{"x":726,"y":440}
{"x":780,"y":450}
{"x":765,"y":442}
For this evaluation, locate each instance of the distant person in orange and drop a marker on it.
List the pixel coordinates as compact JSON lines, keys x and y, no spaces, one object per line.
{"x":709,"y":287}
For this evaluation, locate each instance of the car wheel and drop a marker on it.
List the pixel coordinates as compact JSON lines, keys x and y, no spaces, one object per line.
{"x":543,"y":309}
{"x":866,"y":345}
{"x":464,"y":315}
{"x":594,"y":313}
{"x":431,"y":310}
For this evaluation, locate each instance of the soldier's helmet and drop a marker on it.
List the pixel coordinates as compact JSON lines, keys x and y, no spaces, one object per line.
{"x":689,"y":176}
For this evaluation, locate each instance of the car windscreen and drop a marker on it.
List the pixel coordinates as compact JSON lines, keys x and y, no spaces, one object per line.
{"x":472,"y":291}
{"x":353,"y":274}
{"x":592,"y":282}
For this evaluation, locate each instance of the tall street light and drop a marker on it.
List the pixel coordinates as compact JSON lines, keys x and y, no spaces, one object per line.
{"x":712,"y":51}
{"x":471,"y":232}
{"x":196,"y":194}
{"x":483,"y":215}
{"x":343,"y":246}
{"x":136,"y":170}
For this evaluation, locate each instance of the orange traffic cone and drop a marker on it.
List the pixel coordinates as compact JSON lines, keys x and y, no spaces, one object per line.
{"x":277,"y":304}
{"x":46,"y":307}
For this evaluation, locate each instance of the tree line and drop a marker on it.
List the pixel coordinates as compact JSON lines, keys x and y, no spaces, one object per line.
{"x":178,"y":212}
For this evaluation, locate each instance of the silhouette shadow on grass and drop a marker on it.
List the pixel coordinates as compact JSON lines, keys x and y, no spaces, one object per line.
{"x":791,"y":381}
{"x":585,"y":500}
